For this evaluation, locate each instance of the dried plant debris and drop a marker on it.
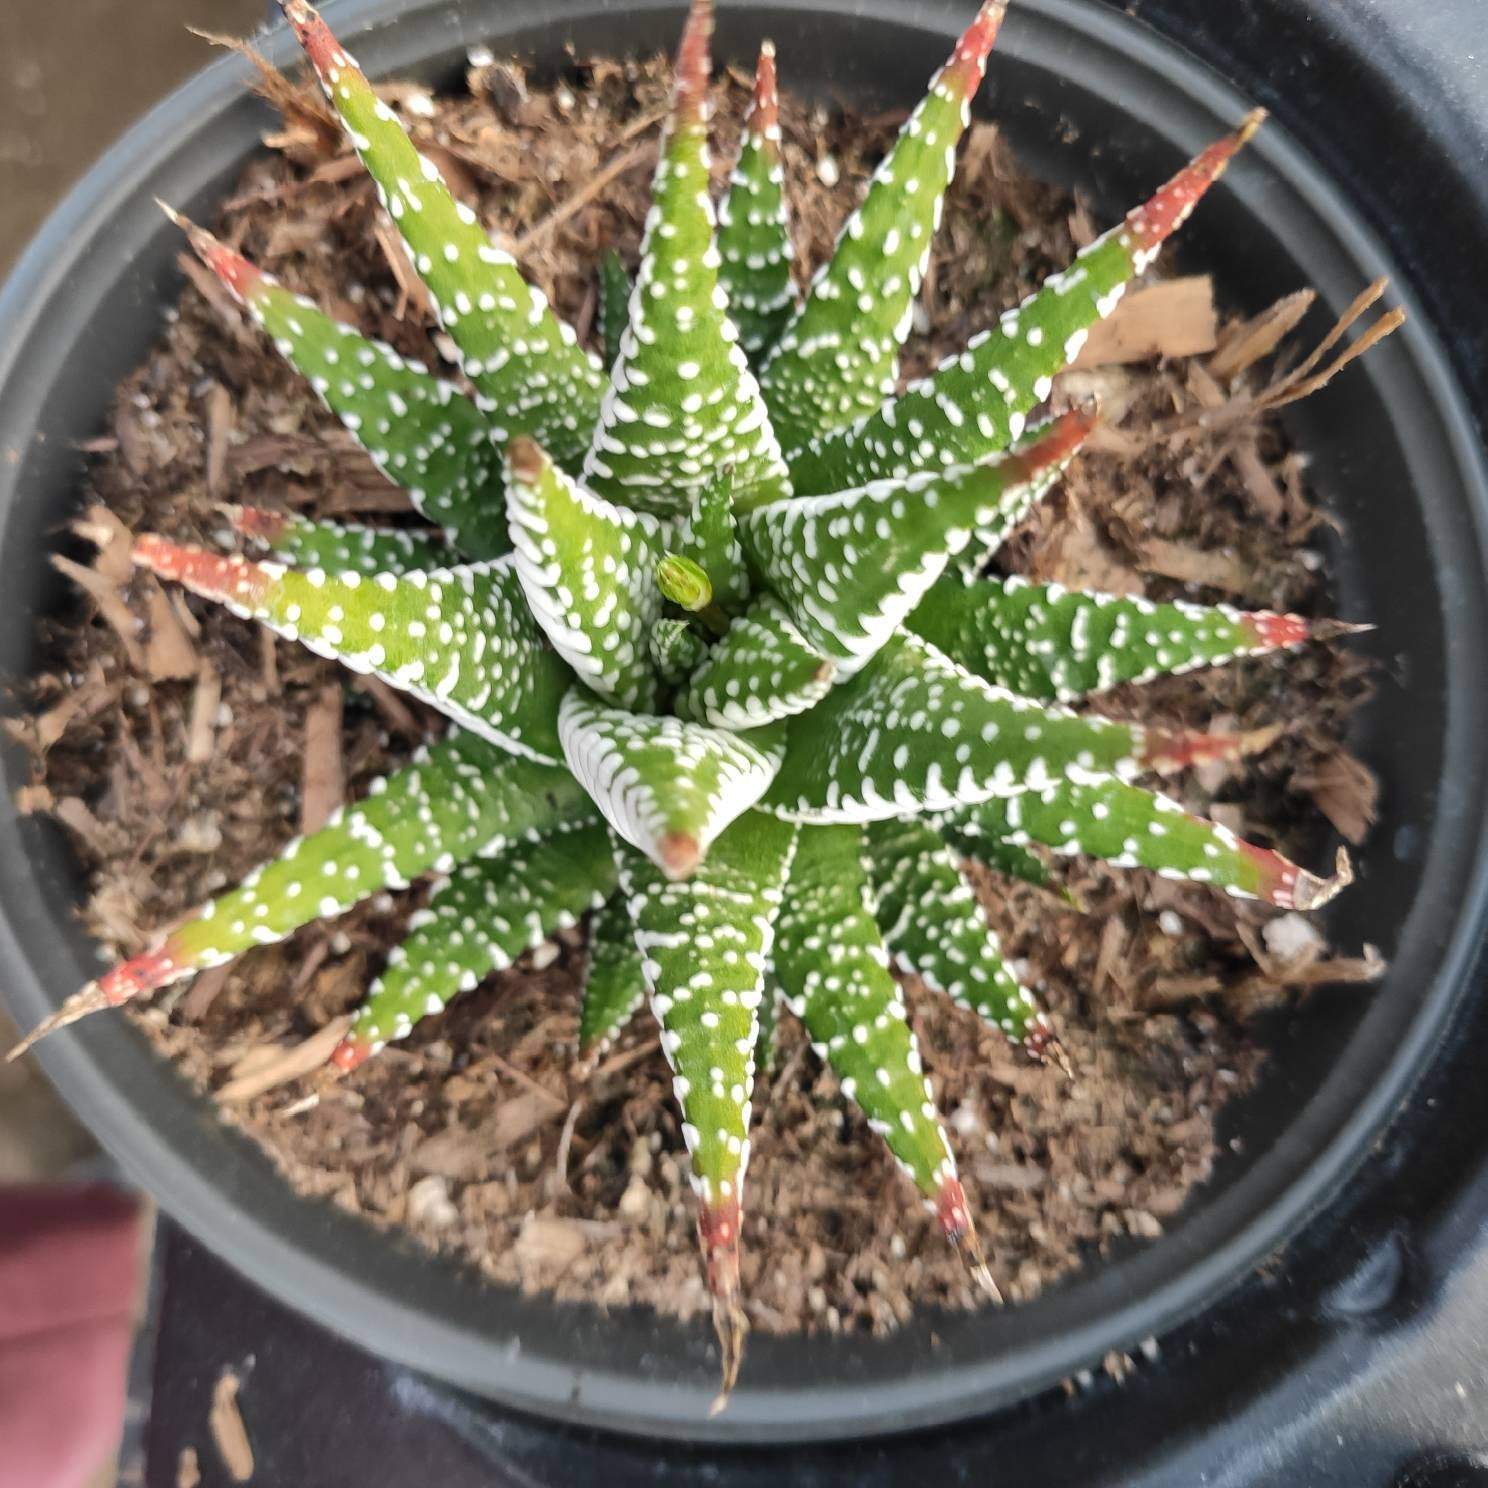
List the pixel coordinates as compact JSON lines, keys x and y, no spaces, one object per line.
{"x":181,"y":749}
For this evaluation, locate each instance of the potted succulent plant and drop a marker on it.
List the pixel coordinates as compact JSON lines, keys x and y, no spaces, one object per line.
{"x":713,"y":620}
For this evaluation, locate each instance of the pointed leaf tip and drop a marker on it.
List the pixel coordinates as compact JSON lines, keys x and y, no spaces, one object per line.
{"x":694,"y":63}
{"x":1287,"y":886}
{"x":678,"y":854}
{"x":1157,"y":219}
{"x":240,"y":276}
{"x":968,"y":62}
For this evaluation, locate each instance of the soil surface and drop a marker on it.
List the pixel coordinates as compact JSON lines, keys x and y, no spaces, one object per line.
{"x":172,"y":740}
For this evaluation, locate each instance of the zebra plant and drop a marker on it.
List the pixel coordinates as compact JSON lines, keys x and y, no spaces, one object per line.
{"x":713,"y":625}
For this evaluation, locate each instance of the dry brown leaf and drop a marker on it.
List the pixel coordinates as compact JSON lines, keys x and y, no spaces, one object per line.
{"x":205,"y":702}
{"x":1172,"y":318}
{"x":284,"y":1064}
{"x":1248,"y":341}
{"x":169,"y":653}
{"x":228,"y":1432}
{"x":105,"y":595}
{"x":114,"y":541}
{"x":323,"y":774}
{"x":1346,"y":791}
{"x":219,"y":415}
{"x":1215,"y":570}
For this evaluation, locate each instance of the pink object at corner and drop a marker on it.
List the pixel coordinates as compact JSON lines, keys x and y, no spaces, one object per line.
{"x":69,"y":1278}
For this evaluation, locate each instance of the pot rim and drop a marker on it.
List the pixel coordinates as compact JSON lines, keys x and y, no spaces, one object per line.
{"x":276,"y":1258}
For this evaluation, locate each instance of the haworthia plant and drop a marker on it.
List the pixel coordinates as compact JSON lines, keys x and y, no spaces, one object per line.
{"x":715,"y":670}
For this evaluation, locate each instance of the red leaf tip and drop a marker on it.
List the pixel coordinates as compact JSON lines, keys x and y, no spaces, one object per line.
{"x":240,"y":276}
{"x":256,"y":522}
{"x":956,"y":1223}
{"x":350,"y":1054}
{"x":1155,"y":220}
{"x":525,"y":459}
{"x":1058,"y":442}
{"x":321,"y":47}
{"x":968,"y":62}
{"x":211,"y":574}
{"x":679,"y":854}
{"x":718,"y":1235}
{"x":764,"y":103}
{"x":694,"y":62}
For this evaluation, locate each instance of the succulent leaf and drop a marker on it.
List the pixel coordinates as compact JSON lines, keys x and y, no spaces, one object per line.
{"x":709,"y":536}
{"x":587,"y":569}
{"x":667,"y":786}
{"x":1046,"y":641}
{"x":454,"y":801}
{"x":614,"y":305}
{"x":851,"y":566}
{"x":935,"y":928}
{"x":762,"y":670}
{"x":421,"y":433}
{"x":913,"y":732}
{"x":460,"y":639}
{"x":754,"y":236}
{"x":614,"y":984}
{"x":834,"y":968}
{"x":979,"y":400}
{"x":479,"y":920}
{"x":1134,"y":828}
{"x":838,"y":359}
{"x":676,"y":649}
{"x":995,"y":853}
{"x":530,"y":374}
{"x":337,"y":547}
{"x":682,"y":405}
{"x":706,"y":945}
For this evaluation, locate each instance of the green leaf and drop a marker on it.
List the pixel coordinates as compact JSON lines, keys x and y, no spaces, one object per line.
{"x":1133,"y":828}
{"x":337,"y":547}
{"x":480,"y":919}
{"x":1000,"y":856}
{"x":850,"y":567}
{"x":834,"y":967}
{"x":913,"y":732}
{"x":459,"y":799}
{"x":1046,"y":641}
{"x":676,"y":649}
{"x":614,"y":305}
{"x":529,"y":372}
{"x":838,"y":359}
{"x":931,"y":919}
{"x":762,"y":670}
{"x":706,"y":944}
{"x":754,"y":238}
{"x":460,"y":639}
{"x":614,"y":985}
{"x":587,"y":568}
{"x":682,"y":404}
{"x":421,"y":433}
{"x":667,"y":786}
{"x":767,"y":1040}
{"x":710,"y":537}
{"x":979,"y":401}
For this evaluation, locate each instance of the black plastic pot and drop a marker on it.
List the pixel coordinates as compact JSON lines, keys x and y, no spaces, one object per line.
{"x":1088,"y":96}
